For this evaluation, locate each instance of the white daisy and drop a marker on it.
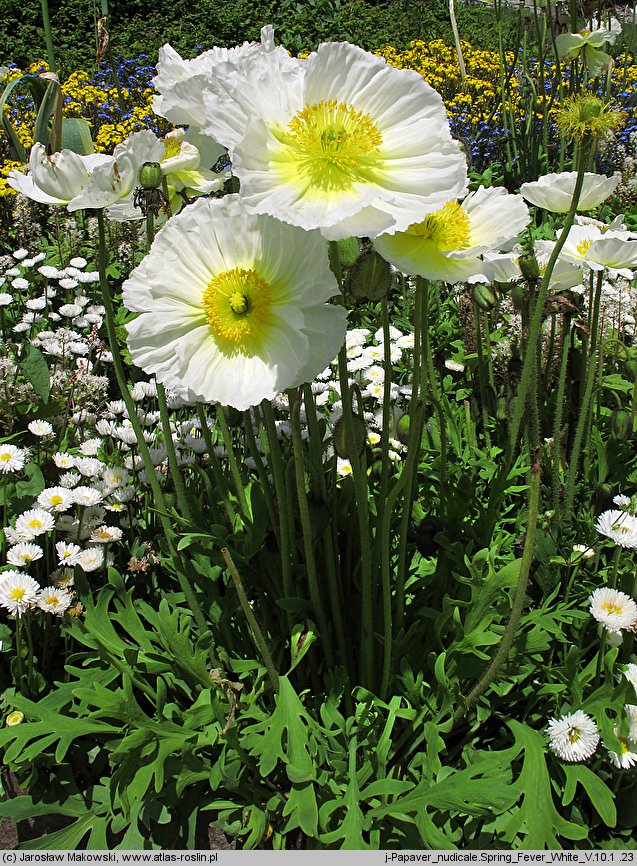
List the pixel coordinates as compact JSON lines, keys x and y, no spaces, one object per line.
{"x":54,"y":600}
{"x":615,"y":610}
{"x":92,"y":559}
{"x":56,"y":499}
{"x":12,"y":459}
{"x":67,"y":553}
{"x":618,"y":525}
{"x":24,"y":553}
{"x":630,"y":672}
{"x":627,"y":757}
{"x":86,"y":496}
{"x":573,"y":737}
{"x":18,"y":592}
{"x":63,"y":460}
{"x":105,"y":535}
{"x":34,"y":522}
{"x":233,"y":305}
{"x":41,"y":428}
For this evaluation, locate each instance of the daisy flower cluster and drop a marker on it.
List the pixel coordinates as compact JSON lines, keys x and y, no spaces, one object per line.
{"x":575,"y":738}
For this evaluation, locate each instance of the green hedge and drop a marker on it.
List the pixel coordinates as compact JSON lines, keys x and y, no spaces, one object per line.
{"x":142,"y":26}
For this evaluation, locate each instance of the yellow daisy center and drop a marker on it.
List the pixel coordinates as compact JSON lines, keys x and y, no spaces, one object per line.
{"x":448,"y":228}
{"x":56,"y":499}
{"x":237,"y":305}
{"x":612,"y":608}
{"x":5,"y":457}
{"x":35,"y":523}
{"x":574,"y":735}
{"x":52,"y":601}
{"x":18,"y":593}
{"x":333,"y":145}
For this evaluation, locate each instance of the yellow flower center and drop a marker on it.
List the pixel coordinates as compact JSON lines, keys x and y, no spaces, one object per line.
{"x":448,"y":228}
{"x":35,"y":523}
{"x":237,"y":305}
{"x":5,"y":457}
{"x":18,"y":593}
{"x":52,"y":601}
{"x":172,"y":147}
{"x":612,"y":608}
{"x":333,"y":145}
{"x":583,"y":247}
{"x":574,"y":735}
{"x":56,"y":499}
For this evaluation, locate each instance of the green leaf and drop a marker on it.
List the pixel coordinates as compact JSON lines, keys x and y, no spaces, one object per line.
{"x":537,"y":819}
{"x":600,"y":796}
{"x":36,"y":370}
{"x":33,"y":483}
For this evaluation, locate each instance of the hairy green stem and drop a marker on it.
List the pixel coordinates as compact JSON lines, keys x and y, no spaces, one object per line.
{"x":582,"y":421}
{"x":120,"y":375}
{"x":306,"y":529}
{"x":214,"y":464}
{"x":232,"y":459}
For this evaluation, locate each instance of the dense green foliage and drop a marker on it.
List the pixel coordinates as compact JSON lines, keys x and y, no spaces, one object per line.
{"x":139,"y":26}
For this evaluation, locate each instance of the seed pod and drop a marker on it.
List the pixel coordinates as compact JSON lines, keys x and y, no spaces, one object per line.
{"x":150,"y":176}
{"x":518,"y":296}
{"x":502,"y":408}
{"x":484,"y":296}
{"x":340,"y":438}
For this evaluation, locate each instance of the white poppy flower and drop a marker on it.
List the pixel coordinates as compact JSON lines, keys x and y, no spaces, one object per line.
{"x":448,"y":244}
{"x":233,"y":305}
{"x":554,"y":192}
{"x":342,"y":142}
{"x":57,"y":179}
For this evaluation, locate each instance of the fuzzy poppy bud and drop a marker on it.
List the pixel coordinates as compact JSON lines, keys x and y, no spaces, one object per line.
{"x":402,"y":429}
{"x":529,"y":267}
{"x":630,"y":370}
{"x":621,"y":425}
{"x":370,"y":277}
{"x":150,"y":175}
{"x":340,"y":437}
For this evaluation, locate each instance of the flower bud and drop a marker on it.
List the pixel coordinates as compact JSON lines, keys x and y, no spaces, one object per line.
{"x":529,"y":267}
{"x":484,"y":296}
{"x":340,"y":438}
{"x":402,"y":429}
{"x":370,"y":277}
{"x":150,"y":175}
{"x":621,"y":425}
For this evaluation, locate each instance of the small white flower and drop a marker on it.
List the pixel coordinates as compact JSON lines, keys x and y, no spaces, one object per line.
{"x":90,"y":447}
{"x":89,"y":467}
{"x":573,"y":737}
{"x":5,"y":299}
{"x":18,"y":592}
{"x":627,"y":758}
{"x":34,"y":522}
{"x":49,"y":272}
{"x":24,"y":553}
{"x":86,"y":496}
{"x":67,"y":553}
{"x":12,"y":459}
{"x":78,"y":262}
{"x":63,"y":460}
{"x":54,"y":600}
{"x":343,"y":467}
{"x":68,"y":283}
{"x":630,"y":672}
{"x":92,"y":558}
{"x":41,"y":428}
{"x":56,"y":499}
{"x":20,"y":254}
{"x":584,"y":550}
{"x":106,"y":534}
{"x":20,"y":283}
{"x":618,"y":525}
{"x":613,"y":609}
{"x":70,"y":480}
{"x":622,"y":501}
